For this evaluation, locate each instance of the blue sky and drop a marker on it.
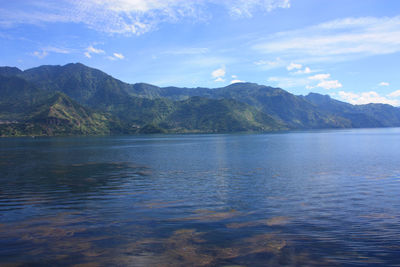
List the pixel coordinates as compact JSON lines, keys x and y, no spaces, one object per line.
{"x":349,"y":49}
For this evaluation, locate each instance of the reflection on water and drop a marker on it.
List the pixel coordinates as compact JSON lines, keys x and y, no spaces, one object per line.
{"x":325,"y":198}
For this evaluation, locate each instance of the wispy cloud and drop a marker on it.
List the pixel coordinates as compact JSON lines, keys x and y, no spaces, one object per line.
{"x":246,"y":8}
{"x":219,"y":74}
{"x":128,"y":16}
{"x":44,"y":52}
{"x":270,"y":64}
{"x":294,"y":66}
{"x":119,"y":55}
{"x":319,"y":77}
{"x":332,"y":84}
{"x":384,"y":84}
{"x":298,"y":68}
{"x":366,"y":98}
{"x":324,"y":82}
{"x":236,"y":81}
{"x":116,"y":56}
{"x":341,"y":39}
{"x":394,"y":94}
{"x":91,"y":50}
{"x":306,"y":70}
{"x":289,"y":82}
{"x":40,"y":54}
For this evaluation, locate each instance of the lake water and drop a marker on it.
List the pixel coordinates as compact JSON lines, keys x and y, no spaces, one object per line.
{"x":316,"y":198}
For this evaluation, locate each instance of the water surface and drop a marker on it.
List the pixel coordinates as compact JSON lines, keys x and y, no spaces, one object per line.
{"x":316,"y":198}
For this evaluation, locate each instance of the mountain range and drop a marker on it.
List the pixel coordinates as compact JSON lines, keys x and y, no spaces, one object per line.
{"x":78,"y":100}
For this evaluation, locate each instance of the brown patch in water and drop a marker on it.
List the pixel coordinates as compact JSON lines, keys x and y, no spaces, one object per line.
{"x":274,"y":221}
{"x":93,"y":253}
{"x":228,"y":253}
{"x":279,"y":220}
{"x":242,"y":225}
{"x":264,"y":243}
{"x":378,"y":216}
{"x":209,"y":215}
{"x":183,"y":247}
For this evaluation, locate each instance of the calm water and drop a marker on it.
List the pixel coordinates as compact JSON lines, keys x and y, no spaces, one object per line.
{"x":321,"y":198}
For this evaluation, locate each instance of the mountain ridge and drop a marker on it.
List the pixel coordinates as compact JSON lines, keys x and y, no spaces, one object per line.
{"x":105,"y":105}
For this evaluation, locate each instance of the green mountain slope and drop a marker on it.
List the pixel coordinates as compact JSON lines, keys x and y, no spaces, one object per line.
{"x":58,"y":115}
{"x":281,"y":105}
{"x":224,"y":115}
{"x":76,"y":99}
{"x":27,"y":110}
{"x":85,"y":85}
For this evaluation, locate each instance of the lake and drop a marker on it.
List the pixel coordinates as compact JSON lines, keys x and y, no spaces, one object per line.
{"x":312,"y":198}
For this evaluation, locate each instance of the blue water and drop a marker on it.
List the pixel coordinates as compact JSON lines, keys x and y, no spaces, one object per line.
{"x":315,"y":198}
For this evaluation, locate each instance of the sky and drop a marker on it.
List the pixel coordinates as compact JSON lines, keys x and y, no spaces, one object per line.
{"x":349,"y":49}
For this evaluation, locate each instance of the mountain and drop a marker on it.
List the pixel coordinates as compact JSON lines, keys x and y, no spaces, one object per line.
{"x":9,"y":71}
{"x":370,"y":115}
{"x":281,"y":105}
{"x":288,"y":109}
{"x":27,"y":110}
{"x":219,"y":115}
{"x":78,"y":100}
{"x":85,"y":85}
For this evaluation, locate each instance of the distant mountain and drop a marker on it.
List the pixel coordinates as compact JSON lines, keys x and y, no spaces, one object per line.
{"x":78,"y":100}
{"x":370,"y":115}
{"x":288,"y":109}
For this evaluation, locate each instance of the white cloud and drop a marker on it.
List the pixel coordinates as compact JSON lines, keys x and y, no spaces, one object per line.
{"x":289,"y":82}
{"x":318,"y":80}
{"x":306,"y":70}
{"x":323,"y":82}
{"x":293,"y":66}
{"x":320,"y":77}
{"x":333,"y":84}
{"x":384,"y":84}
{"x":270,"y":64}
{"x":50,"y":49}
{"x":342,"y":39}
{"x":394,"y":94}
{"x":118,"y":55}
{"x":219,"y":73}
{"x":366,"y":98}
{"x":219,"y":79}
{"x":245,"y":8}
{"x":40,"y":54}
{"x":237,"y":81}
{"x":91,"y":50}
{"x":234,"y":76}
{"x":128,"y":16}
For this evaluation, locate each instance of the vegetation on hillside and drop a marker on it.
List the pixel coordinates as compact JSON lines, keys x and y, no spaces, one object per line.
{"x":77,"y":100}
